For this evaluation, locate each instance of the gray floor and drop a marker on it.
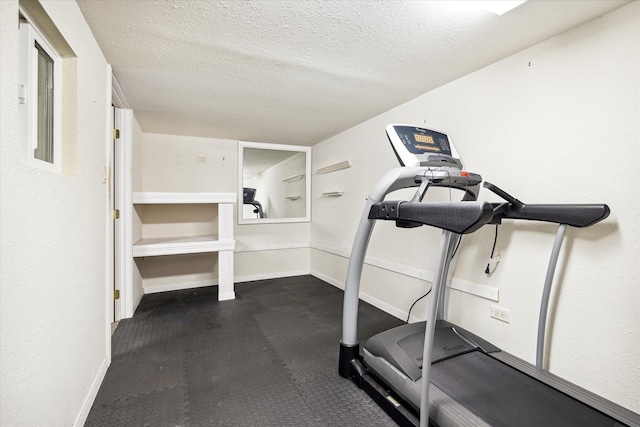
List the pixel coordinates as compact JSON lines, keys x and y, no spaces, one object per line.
{"x":267,"y":358}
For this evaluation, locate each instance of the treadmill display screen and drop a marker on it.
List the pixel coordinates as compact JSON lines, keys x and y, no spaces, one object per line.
{"x":423,"y":141}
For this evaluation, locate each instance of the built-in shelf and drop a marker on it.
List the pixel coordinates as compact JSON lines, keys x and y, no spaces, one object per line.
{"x":293,"y":178}
{"x":222,"y":243}
{"x":333,"y":193}
{"x":293,"y":197}
{"x":335,"y":167}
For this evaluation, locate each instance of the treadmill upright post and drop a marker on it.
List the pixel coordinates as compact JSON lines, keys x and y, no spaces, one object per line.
{"x":352,"y":286}
{"x":438,"y":283}
{"x":546,"y":292}
{"x":401,"y":177}
{"x":453,"y":240}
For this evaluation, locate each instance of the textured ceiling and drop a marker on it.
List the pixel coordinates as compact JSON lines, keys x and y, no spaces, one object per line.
{"x":302,"y":71}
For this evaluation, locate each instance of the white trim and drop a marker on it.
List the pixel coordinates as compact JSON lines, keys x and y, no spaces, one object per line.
{"x":395,"y":267}
{"x":117,"y":95}
{"x":93,"y":391}
{"x":331,"y":249}
{"x":482,"y":291}
{"x":221,"y":297}
{"x":388,"y":308}
{"x":110,"y":261}
{"x":307,"y":172}
{"x":28,"y":111}
{"x":179,"y":286}
{"x":274,"y":275}
{"x":123,"y":169}
{"x":137,"y":298}
{"x":281,"y":247}
{"x":179,"y":198}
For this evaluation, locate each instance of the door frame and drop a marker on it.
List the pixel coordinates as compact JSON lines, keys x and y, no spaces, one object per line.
{"x":121,"y":182}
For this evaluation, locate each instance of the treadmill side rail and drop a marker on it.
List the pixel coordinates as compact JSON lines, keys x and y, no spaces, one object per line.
{"x":623,"y":416}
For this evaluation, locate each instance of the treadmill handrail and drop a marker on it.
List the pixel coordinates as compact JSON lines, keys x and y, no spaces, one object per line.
{"x":458,"y":217}
{"x":575,"y":215}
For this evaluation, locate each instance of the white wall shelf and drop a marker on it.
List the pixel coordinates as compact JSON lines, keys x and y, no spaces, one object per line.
{"x":222,"y":243}
{"x":335,"y":167}
{"x":293,"y":178}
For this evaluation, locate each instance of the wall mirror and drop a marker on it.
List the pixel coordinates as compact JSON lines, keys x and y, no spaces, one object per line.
{"x":274,"y":183}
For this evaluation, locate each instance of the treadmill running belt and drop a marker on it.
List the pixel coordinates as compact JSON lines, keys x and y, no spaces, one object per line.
{"x":503,"y":396}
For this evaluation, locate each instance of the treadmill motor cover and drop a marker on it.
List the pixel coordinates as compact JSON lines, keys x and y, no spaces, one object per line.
{"x":402,"y":346}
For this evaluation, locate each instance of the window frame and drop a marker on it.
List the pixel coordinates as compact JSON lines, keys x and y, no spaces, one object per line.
{"x":29,"y":35}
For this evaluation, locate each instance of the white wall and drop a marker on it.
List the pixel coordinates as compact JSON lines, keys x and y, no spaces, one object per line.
{"x":556,"y":123}
{"x":53,"y":294}
{"x":262,"y":251}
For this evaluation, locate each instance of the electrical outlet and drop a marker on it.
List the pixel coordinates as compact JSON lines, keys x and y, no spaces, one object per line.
{"x":500,"y":313}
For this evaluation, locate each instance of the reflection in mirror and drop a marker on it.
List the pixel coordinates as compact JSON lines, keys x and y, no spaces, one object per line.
{"x":274,"y":180}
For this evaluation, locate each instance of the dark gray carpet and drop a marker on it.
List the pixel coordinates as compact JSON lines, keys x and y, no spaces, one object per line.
{"x":267,"y":358}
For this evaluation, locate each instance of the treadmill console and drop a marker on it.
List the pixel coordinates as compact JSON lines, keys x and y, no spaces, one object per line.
{"x":415,"y":146}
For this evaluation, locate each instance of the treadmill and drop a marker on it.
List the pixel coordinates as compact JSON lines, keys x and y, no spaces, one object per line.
{"x":469,"y":382}
{"x":249,"y":198}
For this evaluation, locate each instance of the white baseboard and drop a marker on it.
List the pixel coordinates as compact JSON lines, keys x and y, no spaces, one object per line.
{"x":275,"y":275}
{"x":136,"y":300}
{"x":128,"y":312}
{"x":330,"y":280}
{"x":476,"y":289}
{"x":93,"y":392}
{"x":228,"y":295}
{"x":387,"y":308}
{"x":179,"y":286}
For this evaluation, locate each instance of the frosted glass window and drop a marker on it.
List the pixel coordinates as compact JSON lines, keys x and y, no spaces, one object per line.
{"x":44,"y":149}
{"x":39,"y":99}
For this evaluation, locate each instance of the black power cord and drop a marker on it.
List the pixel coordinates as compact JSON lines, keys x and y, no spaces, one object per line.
{"x":495,"y":239}
{"x":486,"y":270}
{"x":416,"y":301}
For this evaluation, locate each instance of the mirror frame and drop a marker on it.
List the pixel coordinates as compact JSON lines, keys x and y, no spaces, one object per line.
{"x":282,"y":147}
